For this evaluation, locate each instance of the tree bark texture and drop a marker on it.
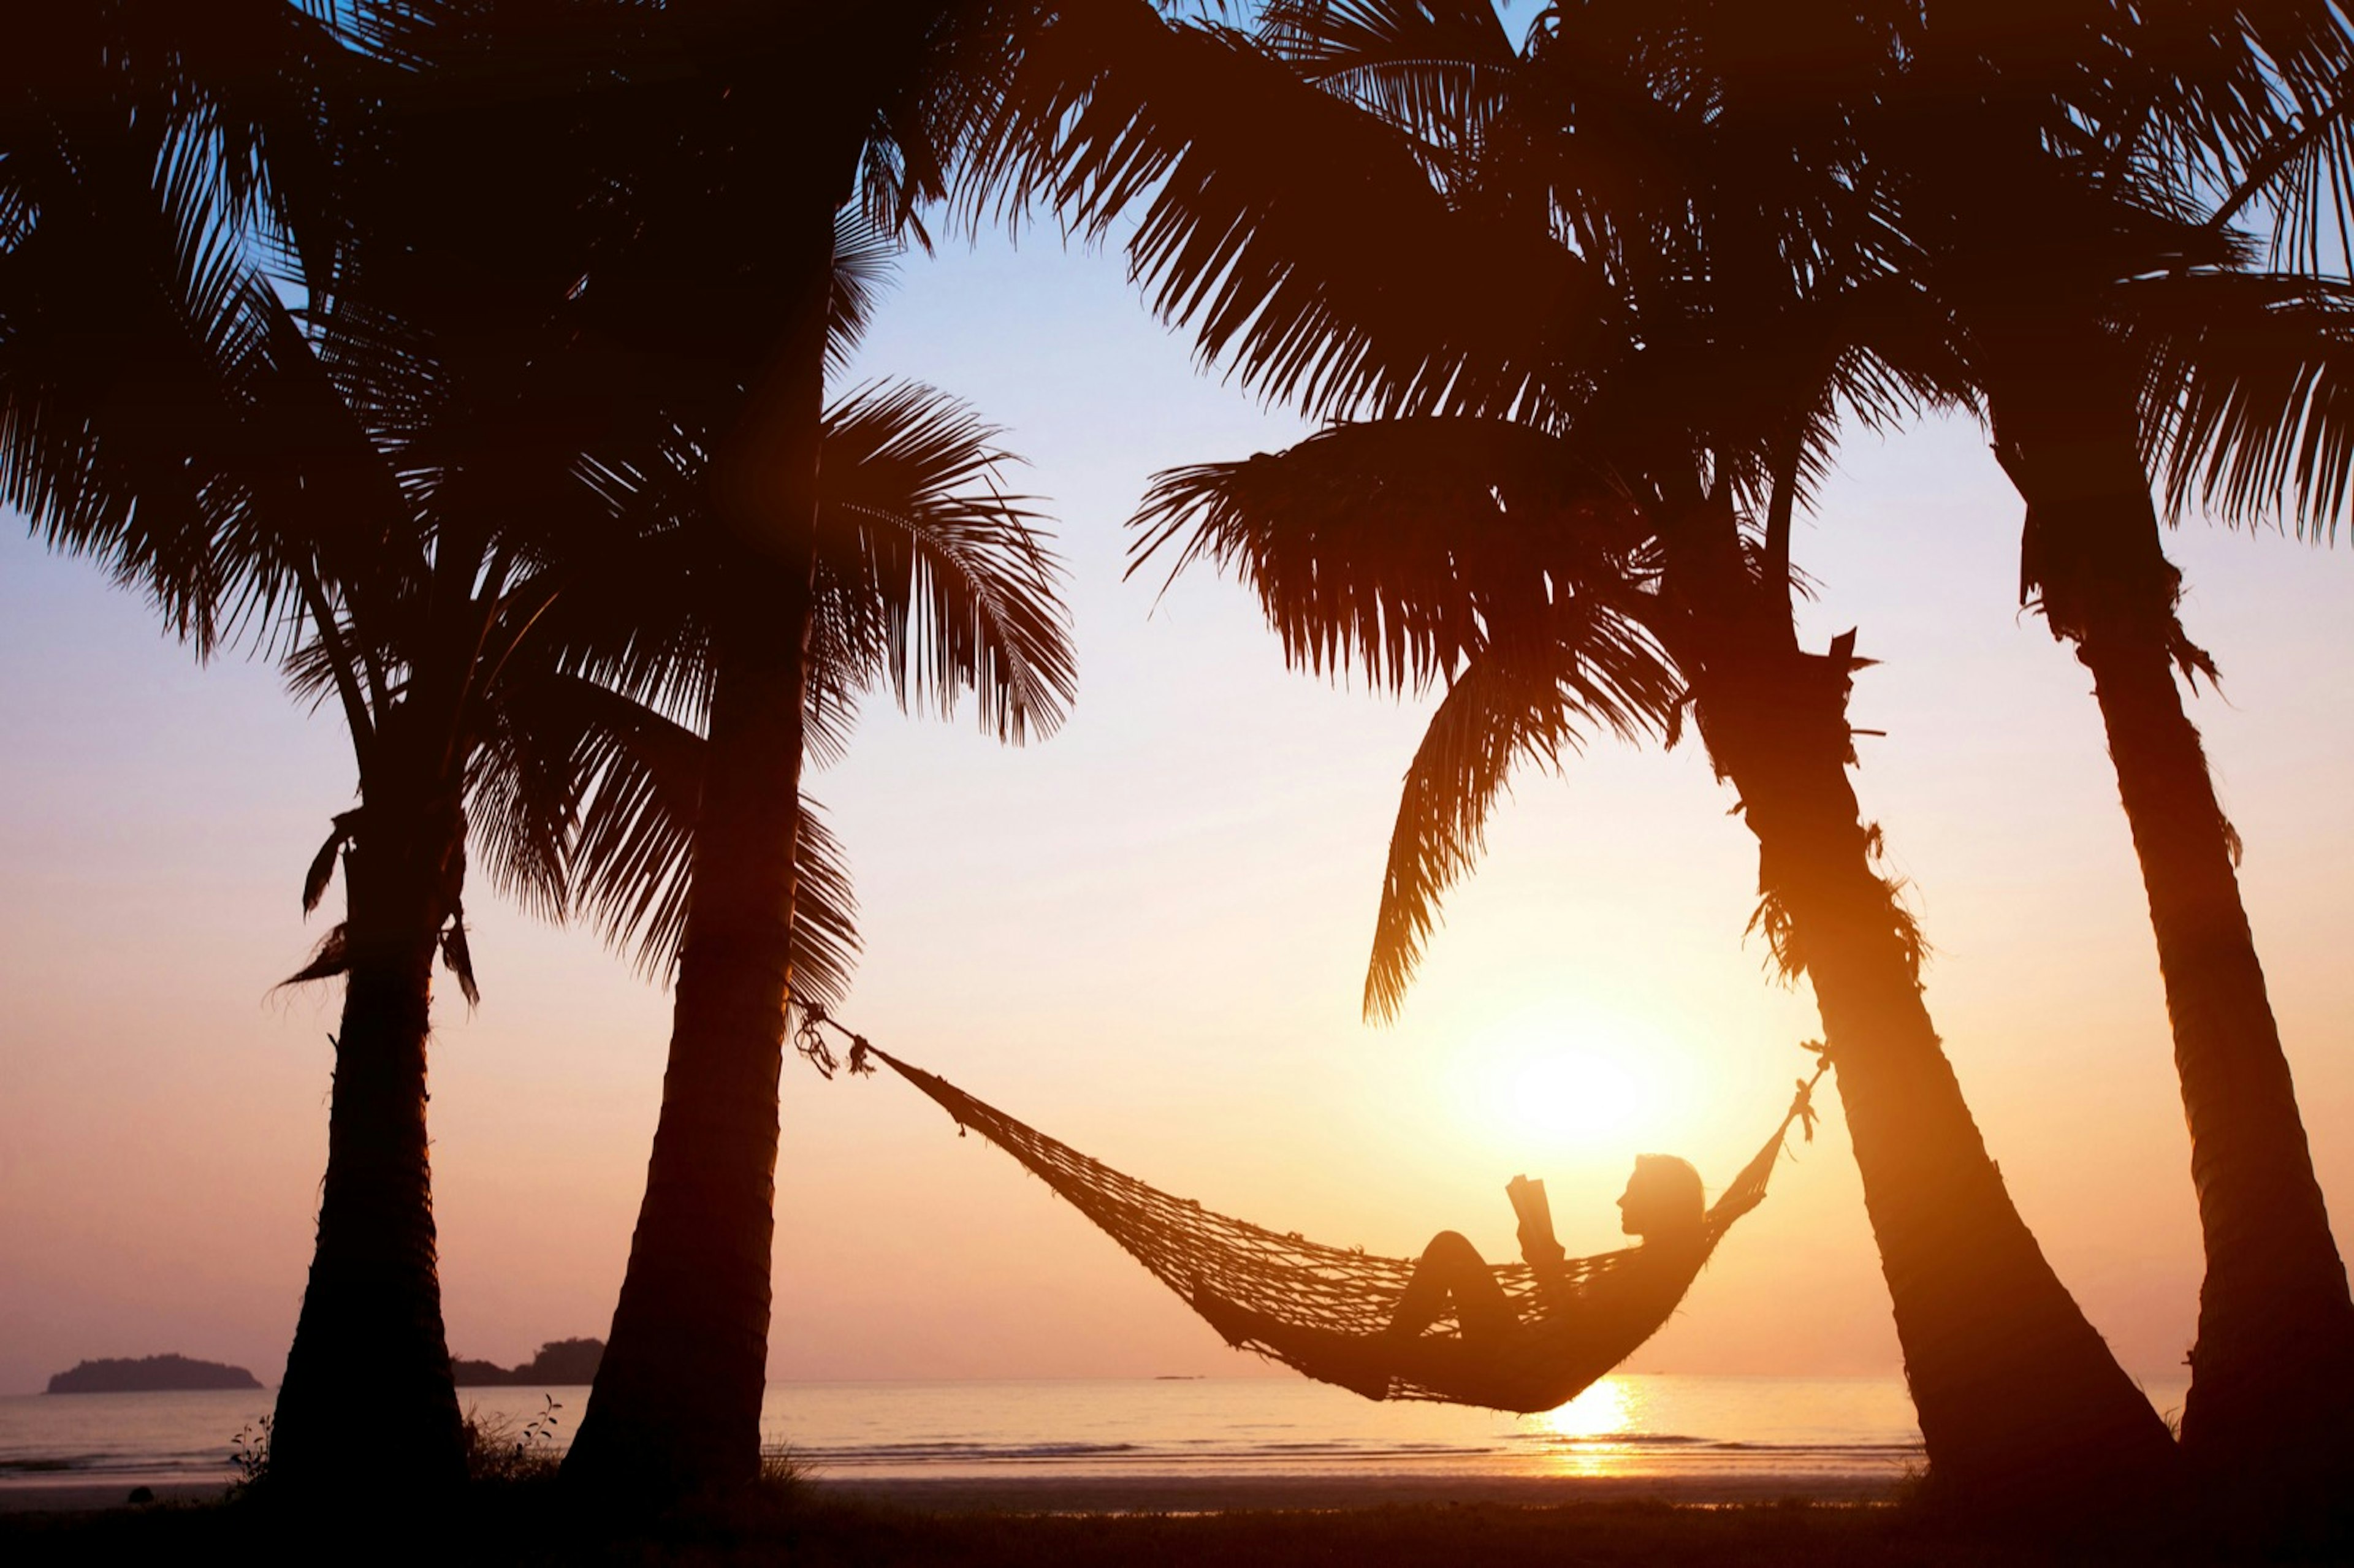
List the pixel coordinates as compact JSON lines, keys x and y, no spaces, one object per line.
{"x":676,"y":1406}
{"x":2271,"y":1406}
{"x":368,"y":1405}
{"x":2022,"y":1407}
{"x":2021,"y":1403}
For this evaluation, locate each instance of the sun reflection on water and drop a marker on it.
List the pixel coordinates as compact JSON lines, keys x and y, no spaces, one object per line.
{"x":1579,"y":1439}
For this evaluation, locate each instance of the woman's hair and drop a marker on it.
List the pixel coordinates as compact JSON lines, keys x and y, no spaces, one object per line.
{"x":1673,"y":1186}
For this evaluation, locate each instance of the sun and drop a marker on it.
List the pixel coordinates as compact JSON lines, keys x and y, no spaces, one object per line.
{"x":1561,"y":1088}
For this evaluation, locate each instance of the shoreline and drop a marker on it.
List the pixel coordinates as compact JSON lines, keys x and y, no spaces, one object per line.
{"x":1167,"y":1494}
{"x":1177,"y":1494}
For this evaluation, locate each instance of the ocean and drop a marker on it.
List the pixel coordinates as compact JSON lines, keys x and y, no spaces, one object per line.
{"x":1831,"y":1435}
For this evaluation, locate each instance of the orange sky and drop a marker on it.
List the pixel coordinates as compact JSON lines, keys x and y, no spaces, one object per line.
{"x":1146,"y":935}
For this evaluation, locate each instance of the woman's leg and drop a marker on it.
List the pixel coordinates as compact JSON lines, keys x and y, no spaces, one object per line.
{"x":1452,"y":1273}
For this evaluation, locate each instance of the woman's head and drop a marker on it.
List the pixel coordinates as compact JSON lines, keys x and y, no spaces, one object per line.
{"x":1663,"y":1198}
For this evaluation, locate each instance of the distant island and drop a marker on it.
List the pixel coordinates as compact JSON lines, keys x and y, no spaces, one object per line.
{"x":560,"y":1363}
{"x":149,"y":1375}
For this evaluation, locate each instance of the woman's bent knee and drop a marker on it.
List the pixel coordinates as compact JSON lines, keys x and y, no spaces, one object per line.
{"x":1452,"y":1245}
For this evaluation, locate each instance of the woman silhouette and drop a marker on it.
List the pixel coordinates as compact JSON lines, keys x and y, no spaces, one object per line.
{"x":1612,"y":1304}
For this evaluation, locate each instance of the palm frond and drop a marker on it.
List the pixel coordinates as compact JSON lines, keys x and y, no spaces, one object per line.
{"x":125,"y":308}
{"x":331,"y":957}
{"x":2238,"y":110}
{"x":929,"y":576}
{"x":1439,"y":72}
{"x":612,"y":789}
{"x":1397,"y":546}
{"x":862,"y":257}
{"x":459,"y":956}
{"x":1477,"y":554}
{"x":323,"y":864}
{"x":2248,"y":408}
{"x":825,"y":943}
{"x":1530,"y":698}
{"x":638,"y":621}
{"x":2301,"y":179}
{"x":1336,"y":275}
{"x":523,"y":791}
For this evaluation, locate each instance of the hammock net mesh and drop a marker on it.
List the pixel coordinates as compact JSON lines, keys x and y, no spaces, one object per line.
{"x":1301,"y":1284}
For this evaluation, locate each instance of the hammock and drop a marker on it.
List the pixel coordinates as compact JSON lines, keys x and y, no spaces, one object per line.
{"x":1294,"y":1293}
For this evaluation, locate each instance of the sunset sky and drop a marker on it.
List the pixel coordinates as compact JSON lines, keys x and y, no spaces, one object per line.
{"x":1146,"y":935}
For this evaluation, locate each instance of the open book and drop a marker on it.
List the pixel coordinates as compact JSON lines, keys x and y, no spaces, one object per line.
{"x":1537,"y":1242}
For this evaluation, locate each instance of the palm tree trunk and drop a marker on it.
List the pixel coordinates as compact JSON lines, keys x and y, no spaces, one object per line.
{"x":368,"y":1405}
{"x":2272,"y":1388}
{"x":676,"y":1406}
{"x":2273,"y":1371}
{"x":2021,"y":1403}
{"x":2023,"y":1407}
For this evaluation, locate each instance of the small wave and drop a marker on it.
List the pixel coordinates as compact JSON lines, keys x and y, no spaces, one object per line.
{"x":1189,"y":1452}
{"x":960,"y":1453}
{"x":1555,"y":1440}
{"x":1183,"y":1454}
{"x":36,"y":1468}
{"x":1369,"y":1449}
{"x":1818,"y":1447}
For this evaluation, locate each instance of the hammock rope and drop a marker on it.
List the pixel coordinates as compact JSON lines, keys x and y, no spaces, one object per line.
{"x":1209,"y":1258}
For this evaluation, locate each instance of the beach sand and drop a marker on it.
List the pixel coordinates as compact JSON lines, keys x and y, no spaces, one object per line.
{"x":87,"y":1496}
{"x":810,"y":1528}
{"x":1143,"y":1521}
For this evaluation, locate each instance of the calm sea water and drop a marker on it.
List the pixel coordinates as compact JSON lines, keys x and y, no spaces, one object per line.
{"x":1630,"y":1427}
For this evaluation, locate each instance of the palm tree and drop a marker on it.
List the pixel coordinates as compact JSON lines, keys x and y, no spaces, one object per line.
{"x":432,"y":469}
{"x":167,"y":413}
{"x":924,"y":576}
{"x":1378,"y":268}
{"x":739,"y":135}
{"x":573,"y":146}
{"x":2118,"y":329}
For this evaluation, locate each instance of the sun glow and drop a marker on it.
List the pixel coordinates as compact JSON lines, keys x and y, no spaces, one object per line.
{"x":1556,"y":1089}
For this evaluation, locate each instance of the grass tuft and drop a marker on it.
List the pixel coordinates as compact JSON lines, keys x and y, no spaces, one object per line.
{"x":501,"y":1452}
